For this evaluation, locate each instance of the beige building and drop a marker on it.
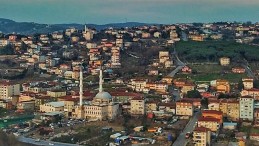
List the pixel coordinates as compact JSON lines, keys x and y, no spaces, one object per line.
{"x":187,"y":87}
{"x":184,"y":108}
{"x":139,"y":85}
{"x":26,"y":105}
{"x":209,"y":122}
{"x":214,"y":105}
{"x":8,"y":89}
{"x":151,"y":106}
{"x":224,"y":61}
{"x":201,"y":136}
{"x":137,"y":106}
{"x":56,"y":93}
{"x":248,"y":83}
{"x":230,"y":109}
{"x":52,"y":107}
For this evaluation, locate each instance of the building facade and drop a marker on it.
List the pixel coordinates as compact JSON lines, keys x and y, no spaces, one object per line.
{"x":246,"y":108}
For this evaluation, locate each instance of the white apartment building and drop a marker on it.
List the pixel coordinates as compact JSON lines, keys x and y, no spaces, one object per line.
{"x":246,"y":108}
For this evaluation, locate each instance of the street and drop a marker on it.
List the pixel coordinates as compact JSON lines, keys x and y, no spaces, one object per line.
{"x":181,"y":140}
{"x":43,"y":142}
{"x":178,"y":68}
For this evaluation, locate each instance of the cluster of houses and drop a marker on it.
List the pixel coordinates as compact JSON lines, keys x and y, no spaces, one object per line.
{"x":64,"y":53}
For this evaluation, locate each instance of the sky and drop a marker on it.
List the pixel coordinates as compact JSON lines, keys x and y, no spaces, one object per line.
{"x":118,"y":11}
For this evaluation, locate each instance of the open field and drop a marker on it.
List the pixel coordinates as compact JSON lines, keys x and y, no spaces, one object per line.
{"x":213,"y":50}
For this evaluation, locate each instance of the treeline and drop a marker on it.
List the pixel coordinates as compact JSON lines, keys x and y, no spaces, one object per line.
{"x":213,"y":50}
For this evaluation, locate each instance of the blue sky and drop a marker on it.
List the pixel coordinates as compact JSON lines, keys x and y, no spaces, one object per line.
{"x":110,"y":11}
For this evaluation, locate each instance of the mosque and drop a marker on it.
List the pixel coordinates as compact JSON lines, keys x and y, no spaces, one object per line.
{"x":101,"y":107}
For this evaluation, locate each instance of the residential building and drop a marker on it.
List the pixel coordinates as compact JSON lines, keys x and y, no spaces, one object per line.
{"x":224,"y":61}
{"x":137,"y":106}
{"x":209,"y":122}
{"x":26,"y":106}
{"x":56,"y":93}
{"x":201,"y":136}
{"x":52,"y":107}
{"x":238,"y":70}
{"x":251,"y":92}
{"x":9,"y":89}
{"x":248,"y":83}
{"x":222,"y":86}
{"x":151,"y":106}
{"x":214,"y":105}
{"x":184,"y":108}
{"x":187,"y":87}
{"x":139,"y":85}
{"x":232,"y":112}
{"x":246,"y":108}
{"x":167,"y":107}
{"x":196,"y":37}
{"x":213,"y":113}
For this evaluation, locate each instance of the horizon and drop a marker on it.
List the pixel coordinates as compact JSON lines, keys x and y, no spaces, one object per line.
{"x":120,"y":11}
{"x":131,"y":22}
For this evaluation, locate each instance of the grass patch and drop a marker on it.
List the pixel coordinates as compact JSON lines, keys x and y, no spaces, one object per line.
{"x":254,"y":130}
{"x":231,"y":77}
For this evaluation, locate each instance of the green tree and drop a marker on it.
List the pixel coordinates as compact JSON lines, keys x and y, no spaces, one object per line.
{"x":256,"y":83}
{"x":193,"y":94}
{"x":204,"y":103}
{"x":240,"y":85}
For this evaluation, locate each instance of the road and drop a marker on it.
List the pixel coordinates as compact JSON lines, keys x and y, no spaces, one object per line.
{"x":248,"y":70}
{"x":181,"y":141}
{"x":43,"y":142}
{"x":178,"y":68}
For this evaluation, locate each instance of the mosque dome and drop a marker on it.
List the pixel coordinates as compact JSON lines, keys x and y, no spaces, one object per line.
{"x":103,"y":95}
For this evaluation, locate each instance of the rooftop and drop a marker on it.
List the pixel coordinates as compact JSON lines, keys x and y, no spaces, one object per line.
{"x":56,"y":104}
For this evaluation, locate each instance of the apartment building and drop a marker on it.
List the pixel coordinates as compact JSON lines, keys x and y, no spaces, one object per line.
{"x":52,"y":107}
{"x":201,"y":136}
{"x":184,"y":108}
{"x":213,"y":113}
{"x":248,"y":83}
{"x":209,"y":122}
{"x":224,"y":61}
{"x":9,"y":89}
{"x":246,"y":108}
{"x":137,"y":106}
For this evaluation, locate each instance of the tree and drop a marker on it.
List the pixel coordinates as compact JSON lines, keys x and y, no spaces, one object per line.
{"x":193,"y":94}
{"x":240,"y":85}
{"x":204,"y":103}
{"x":222,"y":96}
{"x":256,"y":83}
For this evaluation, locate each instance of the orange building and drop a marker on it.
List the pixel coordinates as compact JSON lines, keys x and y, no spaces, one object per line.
{"x":223,"y":86}
{"x":213,"y":113}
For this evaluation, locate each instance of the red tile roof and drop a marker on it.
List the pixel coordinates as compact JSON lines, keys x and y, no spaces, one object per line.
{"x":201,"y":129}
{"x":208,"y":119}
{"x":212,"y":112}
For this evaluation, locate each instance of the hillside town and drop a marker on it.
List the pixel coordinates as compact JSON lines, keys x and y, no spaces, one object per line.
{"x":133,"y":85}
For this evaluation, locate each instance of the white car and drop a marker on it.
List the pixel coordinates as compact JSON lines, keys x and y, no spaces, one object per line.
{"x":51,"y":143}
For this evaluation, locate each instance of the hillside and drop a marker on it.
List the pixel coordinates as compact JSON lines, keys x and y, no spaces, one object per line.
{"x":10,"y":26}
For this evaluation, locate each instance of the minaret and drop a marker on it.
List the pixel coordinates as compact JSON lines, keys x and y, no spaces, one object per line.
{"x":81,"y":86}
{"x":101,"y":81}
{"x":85,"y":28}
